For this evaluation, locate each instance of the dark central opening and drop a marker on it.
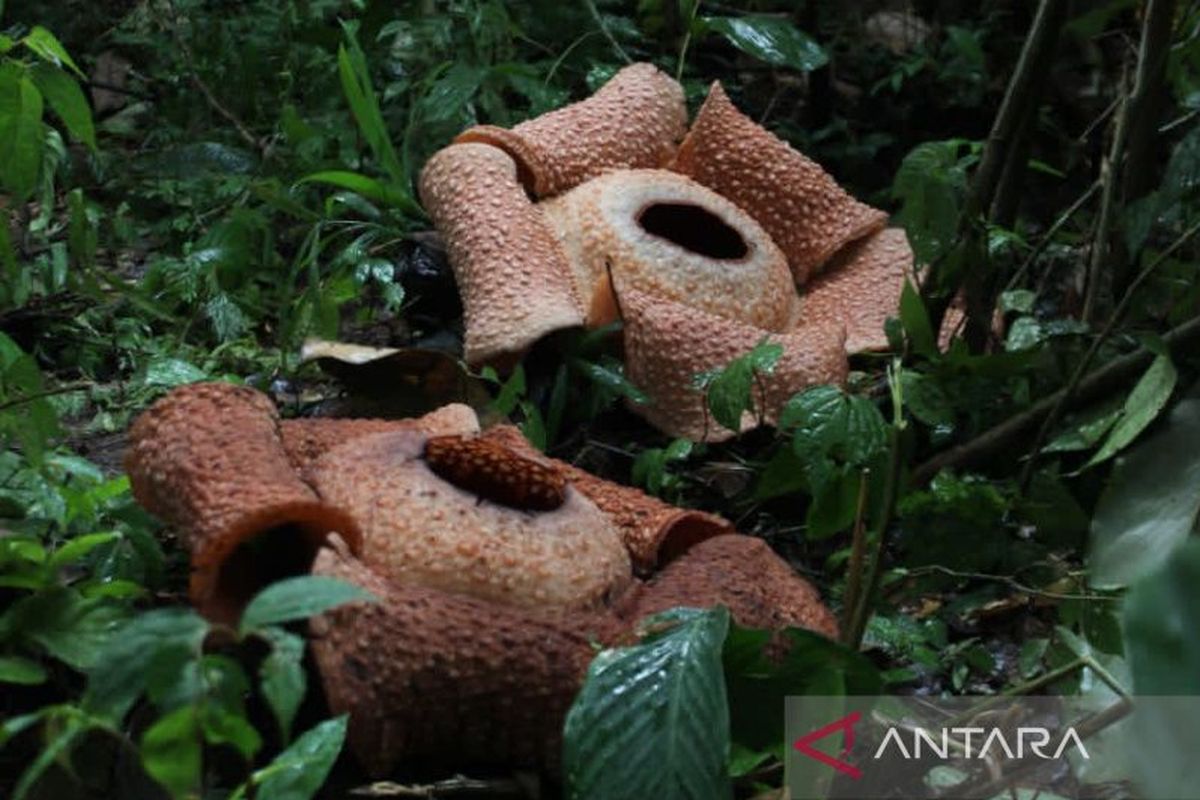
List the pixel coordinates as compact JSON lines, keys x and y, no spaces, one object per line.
{"x":693,"y":228}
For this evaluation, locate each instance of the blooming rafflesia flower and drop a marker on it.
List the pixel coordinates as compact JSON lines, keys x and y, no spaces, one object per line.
{"x":703,"y":241}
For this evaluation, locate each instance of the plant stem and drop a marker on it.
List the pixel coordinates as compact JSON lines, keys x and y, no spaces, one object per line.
{"x":862,"y":606}
{"x":687,"y":40}
{"x":29,"y":398}
{"x":857,"y":552}
{"x":1057,"y":411}
{"x":1110,"y":169}
{"x":616,"y":46}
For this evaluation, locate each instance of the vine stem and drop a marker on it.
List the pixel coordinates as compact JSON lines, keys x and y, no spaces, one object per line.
{"x":616,"y":46}
{"x":857,"y":552}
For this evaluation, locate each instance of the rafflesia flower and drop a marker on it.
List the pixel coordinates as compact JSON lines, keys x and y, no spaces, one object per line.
{"x":496,"y":571}
{"x":704,"y":241}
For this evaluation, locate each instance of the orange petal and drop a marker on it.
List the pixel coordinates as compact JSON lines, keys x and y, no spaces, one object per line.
{"x":654,"y":532}
{"x":634,"y":120}
{"x":433,"y":676}
{"x":658,"y":232}
{"x":808,"y":215}
{"x":512,"y":276}
{"x":861,"y":288}
{"x":208,"y":459}
{"x":745,"y":575}
{"x":667,"y":344}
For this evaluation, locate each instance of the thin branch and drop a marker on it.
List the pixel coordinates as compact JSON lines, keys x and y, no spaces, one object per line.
{"x":1060,"y":407}
{"x":861,"y":613}
{"x":616,"y":46}
{"x":1110,"y":170}
{"x":190,"y":62}
{"x":29,"y":398}
{"x":1048,"y":237}
{"x":1003,"y":437}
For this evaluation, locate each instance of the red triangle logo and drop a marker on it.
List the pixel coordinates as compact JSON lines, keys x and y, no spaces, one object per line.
{"x":846,"y":726}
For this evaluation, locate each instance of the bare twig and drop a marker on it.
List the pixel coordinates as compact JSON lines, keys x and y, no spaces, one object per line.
{"x":29,"y":398}
{"x":1048,"y":237}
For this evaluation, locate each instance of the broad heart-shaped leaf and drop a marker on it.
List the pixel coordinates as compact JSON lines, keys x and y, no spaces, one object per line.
{"x":66,"y":98}
{"x":1152,"y":500}
{"x":652,"y":719}
{"x":298,"y":598}
{"x":298,"y":772}
{"x":1162,"y":615}
{"x":770,"y":39}
{"x":1141,"y":407}
{"x":20,"y":131}
{"x":830,"y":423}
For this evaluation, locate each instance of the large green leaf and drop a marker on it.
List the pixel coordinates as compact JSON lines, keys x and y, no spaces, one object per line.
{"x":20,"y":131}
{"x":298,"y":598}
{"x":1162,"y":615}
{"x":66,"y":98}
{"x":652,"y":719}
{"x":1152,"y":500}
{"x":1142,"y":406}
{"x":770,"y":39}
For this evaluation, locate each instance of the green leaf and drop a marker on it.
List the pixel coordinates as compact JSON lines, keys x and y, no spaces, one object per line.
{"x":20,"y":132}
{"x":356,"y":84}
{"x":168,"y":373}
{"x":299,"y":771}
{"x":120,"y":672}
{"x":66,"y":98}
{"x":612,"y":377}
{"x":931,"y":183}
{"x":770,"y":39}
{"x":62,"y":738}
{"x":1085,"y":429}
{"x":47,"y":47}
{"x":385,"y":193}
{"x":282,"y":678}
{"x":1161,"y":617}
{"x":827,"y":422}
{"x":79,"y":547}
{"x":14,"y":669}
{"x":1152,"y":501}
{"x":729,"y":390}
{"x":916,"y":321}
{"x":299,"y":598}
{"x":652,"y":720}
{"x":171,"y":750}
{"x":1142,"y":406}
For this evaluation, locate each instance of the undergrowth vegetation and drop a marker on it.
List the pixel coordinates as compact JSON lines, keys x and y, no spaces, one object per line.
{"x":191,"y":190}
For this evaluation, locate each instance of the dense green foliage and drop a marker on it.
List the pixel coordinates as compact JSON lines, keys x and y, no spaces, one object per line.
{"x":189,"y":190}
